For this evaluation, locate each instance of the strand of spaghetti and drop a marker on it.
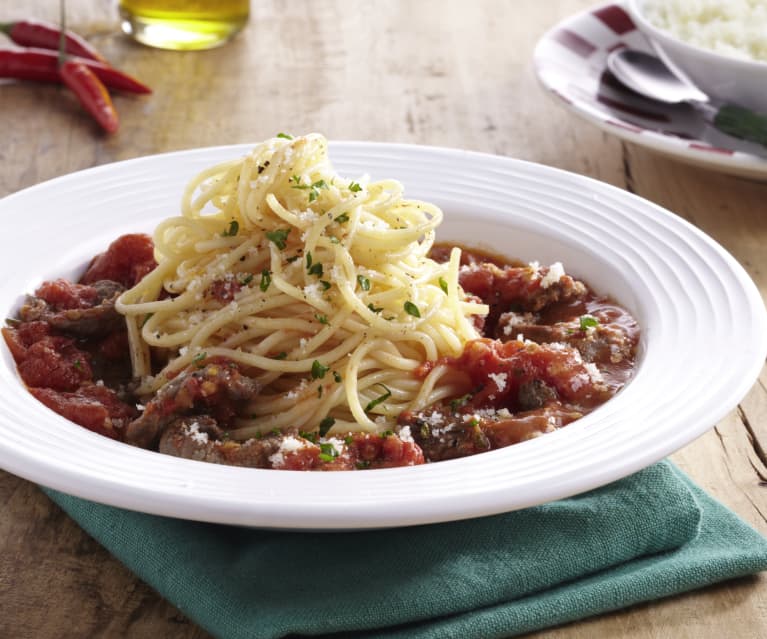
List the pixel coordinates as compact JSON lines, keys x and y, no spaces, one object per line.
{"x":149,"y":288}
{"x":314,"y":343}
{"x":266,"y":363}
{"x":210,"y":182}
{"x":352,"y":370}
{"x":396,"y":360}
{"x":270,"y":330}
{"x":151,"y":331}
{"x":139,"y":351}
{"x":430,"y":392}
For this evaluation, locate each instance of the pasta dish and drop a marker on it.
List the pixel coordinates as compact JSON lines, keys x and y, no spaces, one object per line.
{"x":292,"y":318}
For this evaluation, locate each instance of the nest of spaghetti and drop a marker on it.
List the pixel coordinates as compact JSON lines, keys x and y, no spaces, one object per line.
{"x":291,"y":318}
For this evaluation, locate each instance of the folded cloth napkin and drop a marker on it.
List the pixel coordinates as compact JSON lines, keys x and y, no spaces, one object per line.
{"x":646,"y":536}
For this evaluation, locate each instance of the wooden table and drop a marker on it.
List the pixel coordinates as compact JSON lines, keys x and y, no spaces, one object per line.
{"x":440,"y":72}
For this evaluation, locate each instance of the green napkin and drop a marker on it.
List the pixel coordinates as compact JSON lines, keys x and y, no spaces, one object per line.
{"x":647,"y":536}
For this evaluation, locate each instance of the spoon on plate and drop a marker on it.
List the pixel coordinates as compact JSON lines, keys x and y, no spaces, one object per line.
{"x":649,"y":76}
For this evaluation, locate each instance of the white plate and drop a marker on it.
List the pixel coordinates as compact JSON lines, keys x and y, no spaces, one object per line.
{"x":570,"y":61}
{"x":704,"y":340}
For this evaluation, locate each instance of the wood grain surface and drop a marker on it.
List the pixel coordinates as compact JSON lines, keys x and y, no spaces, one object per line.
{"x":441,"y":72}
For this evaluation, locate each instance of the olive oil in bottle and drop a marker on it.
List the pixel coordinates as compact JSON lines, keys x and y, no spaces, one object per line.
{"x":183,"y":24}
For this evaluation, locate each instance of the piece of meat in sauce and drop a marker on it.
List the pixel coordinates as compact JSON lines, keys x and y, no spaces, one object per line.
{"x":522,"y":390}
{"x":79,"y":310}
{"x":444,"y":433}
{"x":602,"y":332}
{"x":529,"y":288}
{"x":200,"y":438}
{"x":213,"y":387}
{"x":518,"y":288}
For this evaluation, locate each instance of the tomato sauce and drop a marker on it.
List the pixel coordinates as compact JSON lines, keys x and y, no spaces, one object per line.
{"x":68,"y":340}
{"x":549,"y":352}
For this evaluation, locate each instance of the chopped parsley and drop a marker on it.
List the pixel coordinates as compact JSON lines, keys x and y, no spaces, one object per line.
{"x":290,"y":260}
{"x":588,"y":321}
{"x":312,"y":437}
{"x":280,"y":355}
{"x":362,"y":464}
{"x":234,"y":228}
{"x":412,"y":309}
{"x":279,"y":237}
{"x":285,"y":136}
{"x":247,"y":279}
{"x":364,"y":282}
{"x":325,"y":285}
{"x":266,"y":280}
{"x":337,"y":377}
{"x":325,"y":425}
{"x":378,"y":400}
{"x":314,"y":188}
{"x":313,"y":268}
{"x":375,"y":309}
{"x":456,"y":403}
{"x":443,"y":284}
{"x":77,"y":364}
{"x":318,"y":370}
{"x":354,"y":187}
{"x":197,"y":359}
{"x":328,"y":452}
{"x":322,"y":319}
{"x":314,"y":193}
{"x":343,"y":218}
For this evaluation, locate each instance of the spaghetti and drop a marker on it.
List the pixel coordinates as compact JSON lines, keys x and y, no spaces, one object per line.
{"x":319,"y":288}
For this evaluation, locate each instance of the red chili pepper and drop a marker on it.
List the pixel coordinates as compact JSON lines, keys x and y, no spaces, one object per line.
{"x":34,"y":33}
{"x":42,"y":65}
{"x":92,"y":94}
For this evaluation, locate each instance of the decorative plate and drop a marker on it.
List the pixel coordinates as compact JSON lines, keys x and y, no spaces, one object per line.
{"x":570,"y":61}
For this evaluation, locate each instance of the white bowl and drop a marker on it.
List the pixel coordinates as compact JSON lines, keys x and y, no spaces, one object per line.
{"x":704,"y":340}
{"x":726,"y":78}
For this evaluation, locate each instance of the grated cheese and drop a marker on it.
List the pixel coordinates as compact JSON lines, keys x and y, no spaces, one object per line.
{"x":500,"y":380}
{"x":405,"y":435}
{"x":289,"y":444}
{"x":198,"y":436}
{"x":555,"y":273}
